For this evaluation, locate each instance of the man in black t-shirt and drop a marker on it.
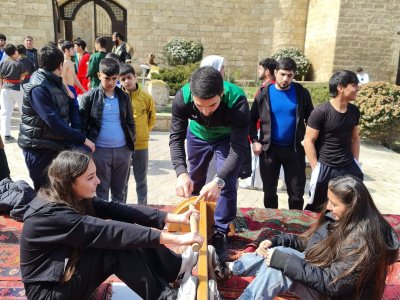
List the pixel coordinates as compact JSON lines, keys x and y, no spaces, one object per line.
{"x":332,"y":141}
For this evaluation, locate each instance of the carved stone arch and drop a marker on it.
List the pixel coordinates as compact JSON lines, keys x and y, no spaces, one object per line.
{"x":117,"y":14}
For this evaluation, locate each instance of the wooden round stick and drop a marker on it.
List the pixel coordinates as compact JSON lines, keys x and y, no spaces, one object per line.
{"x":194,"y":227}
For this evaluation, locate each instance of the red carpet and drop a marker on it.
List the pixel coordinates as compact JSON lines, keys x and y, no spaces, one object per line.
{"x":252,"y":224}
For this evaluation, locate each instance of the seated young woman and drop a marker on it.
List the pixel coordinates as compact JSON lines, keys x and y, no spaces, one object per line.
{"x":346,"y":254}
{"x":72,"y":241}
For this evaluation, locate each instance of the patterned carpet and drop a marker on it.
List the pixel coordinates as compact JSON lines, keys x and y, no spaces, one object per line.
{"x":252,"y":225}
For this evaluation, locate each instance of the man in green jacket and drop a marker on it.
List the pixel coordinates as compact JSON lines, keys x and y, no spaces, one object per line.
{"x":94,"y":61}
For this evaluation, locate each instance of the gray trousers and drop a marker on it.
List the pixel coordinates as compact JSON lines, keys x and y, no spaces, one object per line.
{"x":112,"y":169}
{"x":140,"y":162}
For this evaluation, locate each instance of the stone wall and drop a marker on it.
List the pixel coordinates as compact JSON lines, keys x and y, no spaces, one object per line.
{"x":29,"y":17}
{"x":334,"y":34}
{"x":322,"y":24}
{"x":243,"y":31}
{"x":368,"y":36}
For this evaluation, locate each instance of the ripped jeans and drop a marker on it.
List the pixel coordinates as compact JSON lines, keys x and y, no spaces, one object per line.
{"x":269,"y":282}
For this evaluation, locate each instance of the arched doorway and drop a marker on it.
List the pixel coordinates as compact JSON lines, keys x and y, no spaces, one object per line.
{"x":101,"y":17}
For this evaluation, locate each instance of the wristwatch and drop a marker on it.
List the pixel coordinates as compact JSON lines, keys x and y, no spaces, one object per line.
{"x":219,"y":181}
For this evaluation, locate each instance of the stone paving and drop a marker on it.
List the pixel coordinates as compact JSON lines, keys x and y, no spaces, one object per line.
{"x":380,"y":165}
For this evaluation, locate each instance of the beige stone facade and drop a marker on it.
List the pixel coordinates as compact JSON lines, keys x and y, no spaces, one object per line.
{"x":334,"y":34}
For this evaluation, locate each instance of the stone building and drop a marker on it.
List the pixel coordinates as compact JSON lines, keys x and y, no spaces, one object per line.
{"x":334,"y":34}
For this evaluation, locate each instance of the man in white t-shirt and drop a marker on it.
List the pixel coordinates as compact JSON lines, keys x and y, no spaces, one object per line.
{"x":362,"y":76}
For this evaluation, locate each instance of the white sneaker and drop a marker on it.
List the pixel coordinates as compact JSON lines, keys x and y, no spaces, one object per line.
{"x":188,"y":290}
{"x":189,"y":260}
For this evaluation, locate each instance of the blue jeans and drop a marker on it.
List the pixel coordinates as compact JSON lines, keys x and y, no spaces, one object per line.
{"x":269,"y":282}
{"x":200,"y":153}
{"x":140,"y":161}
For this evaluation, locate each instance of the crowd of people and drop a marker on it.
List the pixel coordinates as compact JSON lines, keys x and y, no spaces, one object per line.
{"x":80,"y":133}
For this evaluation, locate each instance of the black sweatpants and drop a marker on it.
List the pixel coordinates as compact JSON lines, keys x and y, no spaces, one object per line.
{"x":146,"y":271}
{"x":294,"y":166}
{"x":326,"y":173}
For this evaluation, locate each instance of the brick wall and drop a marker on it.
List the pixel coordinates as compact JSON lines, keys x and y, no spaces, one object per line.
{"x":367,"y":36}
{"x":334,"y":34}
{"x":21,"y":18}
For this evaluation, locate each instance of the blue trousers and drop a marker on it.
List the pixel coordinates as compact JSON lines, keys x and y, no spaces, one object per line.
{"x":200,"y":153}
{"x":37,"y":163}
{"x":269,"y":282}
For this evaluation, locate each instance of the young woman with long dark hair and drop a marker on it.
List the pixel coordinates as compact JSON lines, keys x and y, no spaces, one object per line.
{"x":346,"y":254}
{"x":72,"y":241}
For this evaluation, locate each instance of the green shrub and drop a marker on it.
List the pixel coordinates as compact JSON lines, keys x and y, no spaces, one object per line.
{"x":301,"y":60}
{"x":379,"y":104}
{"x":179,"y":51}
{"x":176,"y":77}
{"x":233,"y":76}
{"x":319,"y":92}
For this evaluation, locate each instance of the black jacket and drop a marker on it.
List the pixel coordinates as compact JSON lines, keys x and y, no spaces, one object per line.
{"x":51,"y":231}
{"x":51,"y":132}
{"x":15,"y":197}
{"x":260,"y":110}
{"x":318,"y":278}
{"x":91,"y":110}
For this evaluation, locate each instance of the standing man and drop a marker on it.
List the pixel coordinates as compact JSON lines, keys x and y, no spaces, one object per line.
{"x":44,"y":129}
{"x":122,"y":49}
{"x":144,"y":113}
{"x":332,"y":141}
{"x":3,"y":40}
{"x":82,"y":57}
{"x":11,"y":74}
{"x":94,"y":61}
{"x":219,"y":124}
{"x":107,"y":120}
{"x":283,"y":109}
{"x":266,"y":71}
{"x":68,"y":71}
{"x":31,"y":52}
{"x":27,"y":63}
{"x":363,"y":77}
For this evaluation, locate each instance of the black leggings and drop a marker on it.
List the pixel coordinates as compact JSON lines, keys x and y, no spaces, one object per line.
{"x":147,"y":271}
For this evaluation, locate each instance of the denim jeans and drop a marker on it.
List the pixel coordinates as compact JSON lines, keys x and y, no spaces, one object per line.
{"x":140,"y":161}
{"x":269,"y":282}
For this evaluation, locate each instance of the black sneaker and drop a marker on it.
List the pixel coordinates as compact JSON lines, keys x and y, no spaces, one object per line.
{"x":219,"y":241}
{"x":9,"y":139}
{"x":221,"y":271}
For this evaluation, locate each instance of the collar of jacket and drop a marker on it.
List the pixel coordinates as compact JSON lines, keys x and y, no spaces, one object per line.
{"x":50,"y":76}
{"x":134,"y":93}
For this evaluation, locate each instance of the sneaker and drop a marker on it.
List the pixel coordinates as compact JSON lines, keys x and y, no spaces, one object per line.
{"x":215,"y":266}
{"x":168,"y":294}
{"x":213,"y":293}
{"x":189,"y":260}
{"x":219,"y":241}
{"x":9,"y":139}
{"x":188,"y":290}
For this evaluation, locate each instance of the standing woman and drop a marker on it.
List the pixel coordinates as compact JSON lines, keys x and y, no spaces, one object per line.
{"x":72,"y":241}
{"x":344,"y":255}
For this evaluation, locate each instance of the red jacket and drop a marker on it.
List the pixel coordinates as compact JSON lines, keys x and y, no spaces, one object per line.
{"x":82,"y":71}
